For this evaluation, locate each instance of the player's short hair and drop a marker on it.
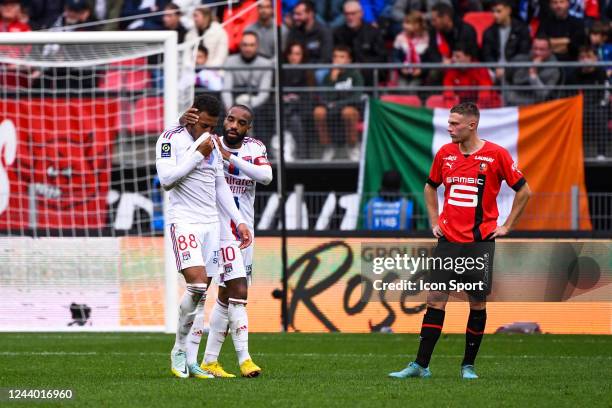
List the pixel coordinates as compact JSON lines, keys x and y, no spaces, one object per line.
{"x":505,"y":3}
{"x":443,"y":9}
{"x":207,"y":103}
{"x":244,"y":108}
{"x":466,"y":109}
{"x":309,"y":5}
{"x":203,"y":49}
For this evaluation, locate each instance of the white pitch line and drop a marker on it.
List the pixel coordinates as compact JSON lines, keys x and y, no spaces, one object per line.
{"x":346,"y":355}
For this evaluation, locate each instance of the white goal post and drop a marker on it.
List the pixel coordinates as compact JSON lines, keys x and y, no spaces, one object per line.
{"x":80,"y":232}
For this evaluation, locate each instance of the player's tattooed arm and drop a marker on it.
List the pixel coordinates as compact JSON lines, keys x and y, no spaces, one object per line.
{"x":431,"y":201}
{"x":518,"y":205}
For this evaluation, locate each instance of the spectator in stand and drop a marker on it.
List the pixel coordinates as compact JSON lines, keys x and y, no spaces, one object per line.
{"x":314,"y":36}
{"x":172,"y":21}
{"x":76,"y":12}
{"x":11,"y":22}
{"x":540,"y":80}
{"x":108,"y":10}
{"x":596,"y":100}
{"x":11,"y":13}
{"x":295,"y":103}
{"x":474,"y":78}
{"x":265,"y":28}
{"x":214,"y":36}
{"x":598,"y":37}
{"x":208,"y":79}
{"x":364,"y":40}
{"x":566,"y":32}
{"x":342,"y":107}
{"x":250,"y":86}
{"x":410,"y":46}
{"x":43,"y":13}
{"x":389,"y":210}
{"x":445,"y":34}
{"x":133,"y":8}
{"x":505,"y":39}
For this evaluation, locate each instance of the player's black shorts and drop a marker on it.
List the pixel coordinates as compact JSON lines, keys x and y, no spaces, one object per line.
{"x":470,"y":264}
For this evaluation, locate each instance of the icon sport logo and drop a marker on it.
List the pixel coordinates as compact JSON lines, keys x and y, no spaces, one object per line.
{"x":165,"y":150}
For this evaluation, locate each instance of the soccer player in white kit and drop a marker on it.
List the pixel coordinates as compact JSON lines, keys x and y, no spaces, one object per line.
{"x":190,"y":168}
{"x":245,"y":164}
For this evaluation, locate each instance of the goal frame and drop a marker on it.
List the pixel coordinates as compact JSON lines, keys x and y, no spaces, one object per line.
{"x":169,"y":39}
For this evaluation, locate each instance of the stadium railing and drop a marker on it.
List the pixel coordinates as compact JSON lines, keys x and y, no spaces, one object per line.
{"x":345,"y":211}
{"x":303,"y":141}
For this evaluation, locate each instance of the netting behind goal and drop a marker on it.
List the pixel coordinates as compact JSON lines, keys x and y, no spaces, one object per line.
{"x":81,"y":214}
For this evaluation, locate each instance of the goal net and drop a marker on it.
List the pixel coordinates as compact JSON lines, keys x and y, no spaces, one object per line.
{"x":81,"y":211}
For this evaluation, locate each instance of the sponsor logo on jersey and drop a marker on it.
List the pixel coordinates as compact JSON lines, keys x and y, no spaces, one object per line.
{"x":450,"y":157}
{"x":484,"y":158}
{"x":186,"y":256}
{"x":166,"y":150}
{"x":464,"y":180}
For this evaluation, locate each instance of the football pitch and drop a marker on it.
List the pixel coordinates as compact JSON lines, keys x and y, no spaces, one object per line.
{"x":132,"y":370}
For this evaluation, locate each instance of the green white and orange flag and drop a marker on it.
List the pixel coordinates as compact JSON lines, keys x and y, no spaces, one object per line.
{"x":545,"y":140}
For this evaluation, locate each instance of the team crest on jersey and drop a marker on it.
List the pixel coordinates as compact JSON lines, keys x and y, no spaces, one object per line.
{"x":483,"y":166}
{"x":166,"y":150}
{"x":186,"y":256}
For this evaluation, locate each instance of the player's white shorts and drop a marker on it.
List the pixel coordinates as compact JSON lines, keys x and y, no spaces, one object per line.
{"x":196,"y":245}
{"x":234,"y":262}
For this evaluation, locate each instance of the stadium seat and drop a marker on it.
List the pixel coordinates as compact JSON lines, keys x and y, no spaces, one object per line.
{"x":111,"y":81}
{"x":441,"y":101}
{"x":148,"y":115}
{"x":480,"y":20}
{"x":125,"y":80}
{"x":408,"y":100}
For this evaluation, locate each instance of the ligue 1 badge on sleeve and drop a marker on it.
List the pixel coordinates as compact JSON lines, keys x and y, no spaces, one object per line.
{"x":165,"y":150}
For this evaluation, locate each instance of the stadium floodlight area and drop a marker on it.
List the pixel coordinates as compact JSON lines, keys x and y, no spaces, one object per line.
{"x":81,"y":211}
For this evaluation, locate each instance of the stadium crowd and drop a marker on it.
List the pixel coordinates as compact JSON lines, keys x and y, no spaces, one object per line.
{"x":362,"y":31}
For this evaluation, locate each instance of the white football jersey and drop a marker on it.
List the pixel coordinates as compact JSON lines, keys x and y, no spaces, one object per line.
{"x":241,"y":185}
{"x":194,"y":198}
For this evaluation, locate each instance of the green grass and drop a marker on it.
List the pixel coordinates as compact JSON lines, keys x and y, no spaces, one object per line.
{"x":132,"y":370}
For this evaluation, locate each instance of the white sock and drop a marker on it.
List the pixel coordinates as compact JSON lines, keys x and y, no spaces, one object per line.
{"x":187,"y":311}
{"x":195,"y":334}
{"x":239,"y":327}
{"x":219,"y":324}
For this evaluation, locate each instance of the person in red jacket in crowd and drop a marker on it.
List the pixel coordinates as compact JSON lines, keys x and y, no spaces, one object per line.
{"x":469,"y":77}
{"x":11,"y":13}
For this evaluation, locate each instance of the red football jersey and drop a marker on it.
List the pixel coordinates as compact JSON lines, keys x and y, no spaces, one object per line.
{"x":471,"y":187}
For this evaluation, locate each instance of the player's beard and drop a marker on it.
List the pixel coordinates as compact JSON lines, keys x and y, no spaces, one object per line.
{"x":231,"y":138}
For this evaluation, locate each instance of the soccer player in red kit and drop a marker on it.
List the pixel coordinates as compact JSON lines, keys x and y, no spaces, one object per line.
{"x":472,"y":171}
